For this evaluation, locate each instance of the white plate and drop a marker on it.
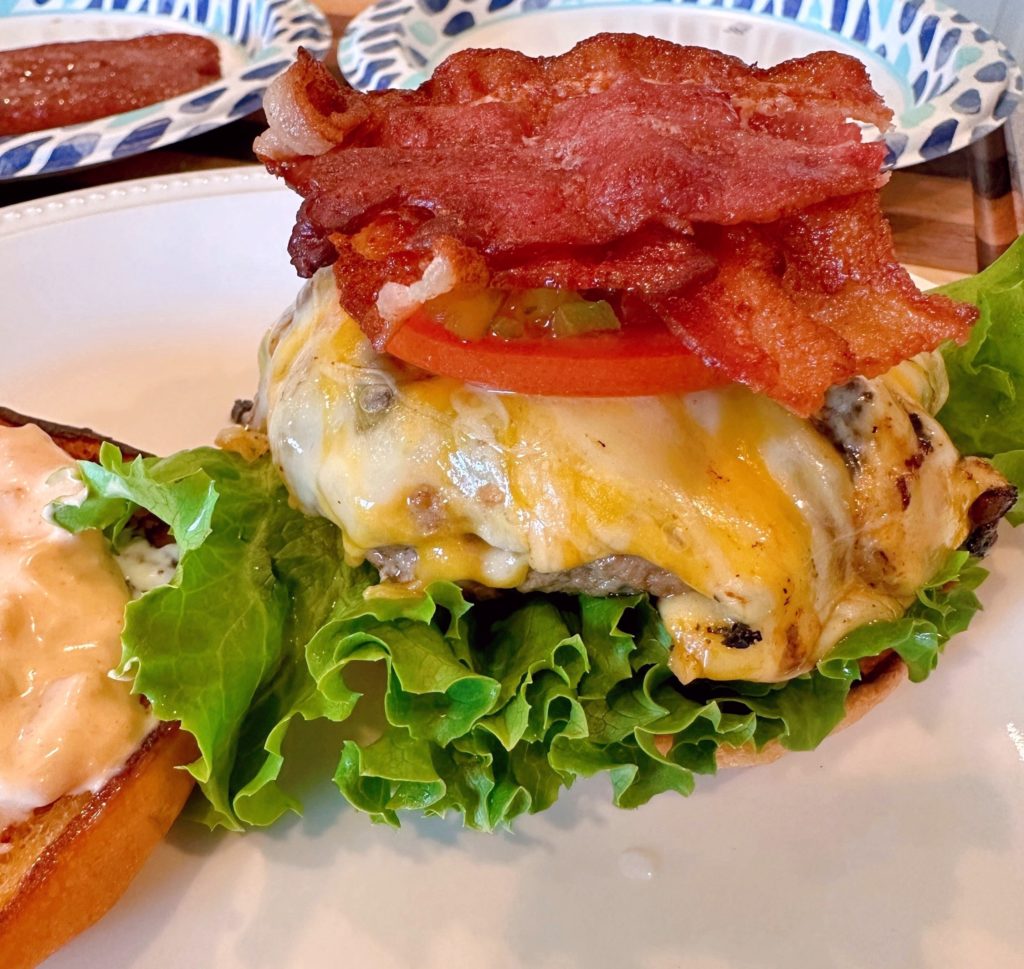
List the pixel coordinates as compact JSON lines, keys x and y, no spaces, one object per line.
{"x":257,"y":40}
{"x":948,"y":81}
{"x":899,"y":843}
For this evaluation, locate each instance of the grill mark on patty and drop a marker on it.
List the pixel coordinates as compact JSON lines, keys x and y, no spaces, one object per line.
{"x":737,"y":635}
{"x":903,"y":487}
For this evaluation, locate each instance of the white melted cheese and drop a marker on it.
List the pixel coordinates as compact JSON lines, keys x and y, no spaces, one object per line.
{"x":66,"y":725}
{"x":146,"y":567}
{"x":750,"y":506}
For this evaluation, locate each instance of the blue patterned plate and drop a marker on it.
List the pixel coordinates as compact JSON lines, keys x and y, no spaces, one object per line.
{"x":948,"y":81}
{"x":257,"y":39}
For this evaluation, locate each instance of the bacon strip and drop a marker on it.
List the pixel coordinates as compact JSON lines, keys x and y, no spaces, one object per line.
{"x":621,"y":132}
{"x":480,"y":93}
{"x":394,"y":249}
{"x":383,"y":256}
{"x":649,"y":262}
{"x":809,"y":302}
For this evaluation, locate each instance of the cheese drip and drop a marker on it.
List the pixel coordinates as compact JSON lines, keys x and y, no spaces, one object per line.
{"x":66,"y":726}
{"x":756,"y":510}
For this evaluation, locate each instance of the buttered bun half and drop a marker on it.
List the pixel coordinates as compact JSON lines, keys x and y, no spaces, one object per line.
{"x":64,"y":864}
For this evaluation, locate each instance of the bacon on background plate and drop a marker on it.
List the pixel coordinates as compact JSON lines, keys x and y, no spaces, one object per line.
{"x":53,"y":85}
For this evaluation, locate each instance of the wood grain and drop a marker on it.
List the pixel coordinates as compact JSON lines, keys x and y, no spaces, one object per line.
{"x":932,"y":220}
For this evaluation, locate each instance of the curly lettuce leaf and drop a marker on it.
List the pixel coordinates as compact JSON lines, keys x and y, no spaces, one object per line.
{"x":221,"y":647}
{"x":984,"y":413}
{"x":503,"y":730}
{"x":181,"y":497}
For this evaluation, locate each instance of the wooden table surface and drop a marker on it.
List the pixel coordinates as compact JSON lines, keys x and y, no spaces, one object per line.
{"x":932,"y":214}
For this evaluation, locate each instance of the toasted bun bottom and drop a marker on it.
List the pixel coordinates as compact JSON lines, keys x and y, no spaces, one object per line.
{"x":68,"y":864}
{"x":879,"y":678}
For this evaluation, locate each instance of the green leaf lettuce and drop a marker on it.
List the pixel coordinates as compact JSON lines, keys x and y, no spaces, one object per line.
{"x":984,"y":414}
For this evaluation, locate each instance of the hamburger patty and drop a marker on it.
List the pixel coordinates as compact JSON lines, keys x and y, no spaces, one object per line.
{"x":611,"y":575}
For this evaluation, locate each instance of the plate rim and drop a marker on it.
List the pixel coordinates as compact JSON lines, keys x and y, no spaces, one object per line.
{"x":113,"y":137}
{"x":151,"y":190}
{"x":359,"y":49}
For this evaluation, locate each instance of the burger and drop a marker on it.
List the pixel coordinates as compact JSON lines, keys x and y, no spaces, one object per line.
{"x":607,"y":426}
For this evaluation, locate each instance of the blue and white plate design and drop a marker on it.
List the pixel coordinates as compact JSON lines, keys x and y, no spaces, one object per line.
{"x":257,"y":40}
{"x":948,"y":80}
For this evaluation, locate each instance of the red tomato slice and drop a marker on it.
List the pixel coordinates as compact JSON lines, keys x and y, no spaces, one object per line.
{"x":638,"y":361}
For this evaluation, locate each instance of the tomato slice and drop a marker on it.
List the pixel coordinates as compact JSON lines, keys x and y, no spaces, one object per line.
{"x":641,"y":359}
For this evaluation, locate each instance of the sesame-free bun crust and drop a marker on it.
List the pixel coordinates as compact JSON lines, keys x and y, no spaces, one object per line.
{"x":70,"y":862}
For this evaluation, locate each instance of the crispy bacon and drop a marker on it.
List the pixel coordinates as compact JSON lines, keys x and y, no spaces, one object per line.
{"x":483,"y":96}
{"x":651,"y":261}
{"x":385,"y":278}
{"x":621,"y":132}
{"x":810,"y":301}
{"x":393,"y":249}
{"x":737,"y":204}
{"x":383,"y":252}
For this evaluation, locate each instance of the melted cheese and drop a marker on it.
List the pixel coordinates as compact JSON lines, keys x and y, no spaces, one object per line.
{"x":753,"y":508}
{"x":66,"y":726}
